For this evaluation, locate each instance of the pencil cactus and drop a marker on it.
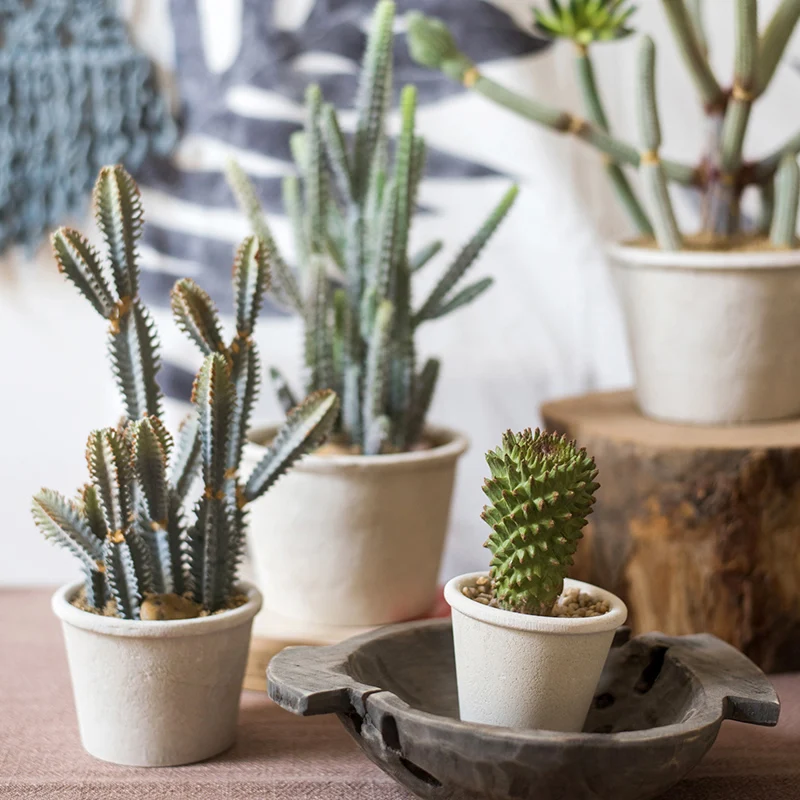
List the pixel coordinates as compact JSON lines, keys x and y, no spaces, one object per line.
{"x":351,"y":210}
{"x":128,"y":527}
{"x":541,"y":490}
{"x":722,"y":174}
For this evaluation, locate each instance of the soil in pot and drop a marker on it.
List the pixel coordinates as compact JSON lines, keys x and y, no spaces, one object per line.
{"x":159,"y":607}
{"x":572,"y":602}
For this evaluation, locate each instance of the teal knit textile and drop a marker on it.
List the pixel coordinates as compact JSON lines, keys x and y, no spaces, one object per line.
{"x":74,"y":95}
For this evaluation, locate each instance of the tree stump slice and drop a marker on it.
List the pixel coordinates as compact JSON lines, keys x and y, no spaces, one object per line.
{"x":697,"y":529}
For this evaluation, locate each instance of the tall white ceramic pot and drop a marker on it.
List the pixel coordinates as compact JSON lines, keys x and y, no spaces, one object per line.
{"x":156,"y":694}
{"x":527,"y":671}
{"x":715,"y":336}
{"x":349,"y":540}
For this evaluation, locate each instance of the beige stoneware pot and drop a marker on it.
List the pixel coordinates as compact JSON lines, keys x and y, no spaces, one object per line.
{"x":156,"y":694}
{"x":353,"y":540}
{"x":714,"y":336}
{"x":526,"y":671}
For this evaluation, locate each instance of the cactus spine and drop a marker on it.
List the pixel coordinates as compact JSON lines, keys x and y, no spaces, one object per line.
{"x":541,"y":490}
{"x":722,"y":174}
{"x":128,"y":527}
{"x":351,"y":212}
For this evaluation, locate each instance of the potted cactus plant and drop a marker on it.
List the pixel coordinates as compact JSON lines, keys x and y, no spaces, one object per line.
{"x":158,"y":632}
{"x":711,"y":315}
{"x":530,"y":643}
{"x":370,"y":514}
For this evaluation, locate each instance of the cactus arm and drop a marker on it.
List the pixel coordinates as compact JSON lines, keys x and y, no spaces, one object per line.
{"x":293,"y":204}
{"x":146,"y":559}
{"x":691,"y":45}
{"x":135,"y":360}
{"x":371,"y":99}
{"x":247,"y":375}
{"x":597,"y":115}
{"x":314,"y":177}
{"x":187,"y":457}
{"x":150,"y":470}
{"x":61,"y":521}
{"x":96,"y":588}
{"x":404,"y":167}
{"x":418,"y":161}
{"x":286,"y":287}
{"x":118,"y":208}
{"x":773,"y":41}
{"x":382,"y":271}
{"x":285,"y":395}
{"x":213,"y":395}
{"x":424,"y":387}
{"x":652,"y":172}
{"x":173,"y":544}
{"x":423,"y":256}
{"x":695,"y":9}
{"x":430,"y":48}
{"x":109,"y":461}
{"x":94,"y":514}
{"x":336,"y":150}
{"x":742,"y":95}
{"x":251,"y":277}
{"x":305,"y":428}
{"x":80,"y":262}
{"x":121,"y":575}
{"x":195,"y":314}
{"x":766,"y":212}
{"x":765,"y":169}
{"x":462,"y":298}
{"x":784,"y":222}
{"x":466,"y":257}
{"x":318,"y":346}
{"x":376,"y":378}
{"x":352,"y":421}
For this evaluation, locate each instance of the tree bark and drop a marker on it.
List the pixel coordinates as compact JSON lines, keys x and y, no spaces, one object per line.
{"x":697,"y":529}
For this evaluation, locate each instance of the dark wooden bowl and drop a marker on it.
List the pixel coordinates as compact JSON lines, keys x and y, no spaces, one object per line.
{"x":657,"y":710}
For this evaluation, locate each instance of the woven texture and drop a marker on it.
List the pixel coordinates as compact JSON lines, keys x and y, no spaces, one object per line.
{"x":74,"y":95}
{"x":278,"y":755}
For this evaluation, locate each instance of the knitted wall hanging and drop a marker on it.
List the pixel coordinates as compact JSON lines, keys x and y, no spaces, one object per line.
{"x":74,"y":95}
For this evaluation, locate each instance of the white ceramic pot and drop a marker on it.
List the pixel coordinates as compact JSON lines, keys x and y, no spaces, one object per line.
{"x":156,"y":694}
{"x":526,"y":671}
{"x":354,"y":540}
{"x":715,"y":336}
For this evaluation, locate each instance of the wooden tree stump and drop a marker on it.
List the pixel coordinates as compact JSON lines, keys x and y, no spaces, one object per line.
{"x":696,"y":528}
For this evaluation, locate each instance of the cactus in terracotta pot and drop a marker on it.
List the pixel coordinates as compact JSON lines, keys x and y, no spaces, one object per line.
{"x":351,"y":207}
{"x":541,"y":490}
{"x":128,"y":527}
{"x":722,"y":174}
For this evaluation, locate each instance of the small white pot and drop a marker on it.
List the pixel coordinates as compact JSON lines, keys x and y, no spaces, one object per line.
{"x":156,"y":694}
{"x":715,"y":336}
{"x":354,"y":540}
{"x":526,"y":671}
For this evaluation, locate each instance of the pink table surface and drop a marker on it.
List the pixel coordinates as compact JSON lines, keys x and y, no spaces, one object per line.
{"x":278,"y":755}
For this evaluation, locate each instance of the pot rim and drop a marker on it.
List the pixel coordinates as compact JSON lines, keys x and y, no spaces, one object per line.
{"x":153,"y":629}
{"x":533,"y":623}
{"x":631,"y":255}
{"x":455,"y":444}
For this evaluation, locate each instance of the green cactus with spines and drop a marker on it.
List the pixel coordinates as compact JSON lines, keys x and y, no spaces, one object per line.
{"x":351,"y":211}
{"x":721,"y":175}
{"x":540,"y":491}
{"x":128,"y":526}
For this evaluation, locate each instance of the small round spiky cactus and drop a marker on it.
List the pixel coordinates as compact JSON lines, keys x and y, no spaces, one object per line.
{"x":541,"y":491}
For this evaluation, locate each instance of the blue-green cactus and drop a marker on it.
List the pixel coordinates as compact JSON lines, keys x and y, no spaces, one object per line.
{"x":128,"y":527}
{"x":722,"y":174}
{"x":351,"y":211}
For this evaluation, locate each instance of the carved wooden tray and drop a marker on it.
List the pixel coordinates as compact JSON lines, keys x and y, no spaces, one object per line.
{"x":657,"y":710}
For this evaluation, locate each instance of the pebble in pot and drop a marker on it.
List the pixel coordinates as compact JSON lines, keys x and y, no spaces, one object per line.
{"x":530,"y":644}
{"x":157,"y":635}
